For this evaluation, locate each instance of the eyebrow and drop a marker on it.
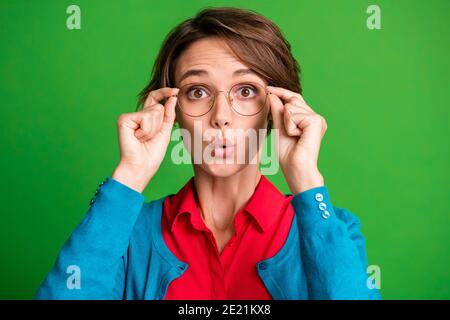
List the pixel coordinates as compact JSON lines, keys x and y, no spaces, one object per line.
{"x":201,"y":72}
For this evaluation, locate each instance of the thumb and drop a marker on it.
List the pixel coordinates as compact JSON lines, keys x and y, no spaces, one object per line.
{"x":169,"y":114}
{"x":277,"y":110}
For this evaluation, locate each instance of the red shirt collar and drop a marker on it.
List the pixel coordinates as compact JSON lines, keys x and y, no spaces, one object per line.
{"x":264,"y":205}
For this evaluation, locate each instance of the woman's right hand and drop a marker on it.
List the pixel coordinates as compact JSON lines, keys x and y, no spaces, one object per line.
{"x":144,"y":137}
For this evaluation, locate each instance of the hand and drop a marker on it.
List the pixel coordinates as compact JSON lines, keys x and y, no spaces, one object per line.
{"x":300,"y":133}
{"x":144,"y":137}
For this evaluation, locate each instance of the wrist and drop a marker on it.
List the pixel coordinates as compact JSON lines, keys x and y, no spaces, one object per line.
{"x":131,"y":176}
{"x":304,"y":179}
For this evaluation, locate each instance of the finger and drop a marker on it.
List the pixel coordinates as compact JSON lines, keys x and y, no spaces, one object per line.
{"x":302,"y":105}
{"x":297,"y":108}
{"x":139,"y":133}
{"x":149,"y":122}
{"x":129,"y":120}
{"x":304,"y":120}
{"x":291,"y":97}
{"x":144,"y":130}
{"x":154,"y":97}
{"x":169,"y":115}
{"x":276,"y":109}
{"x":157,"y":116}
{"x":290,"y":123}
{"x":285,"y":94}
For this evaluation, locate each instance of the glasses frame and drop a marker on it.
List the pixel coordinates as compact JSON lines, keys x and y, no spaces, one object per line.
{"x":228,"y":94}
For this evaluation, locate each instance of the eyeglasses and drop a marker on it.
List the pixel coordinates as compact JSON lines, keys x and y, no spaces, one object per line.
{"x":197,"y":99}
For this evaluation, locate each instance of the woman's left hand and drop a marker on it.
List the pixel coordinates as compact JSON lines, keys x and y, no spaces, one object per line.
{"x":300,"y":133}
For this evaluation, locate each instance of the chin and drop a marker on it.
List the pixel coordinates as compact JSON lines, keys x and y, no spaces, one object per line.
{"x":222,"y":170}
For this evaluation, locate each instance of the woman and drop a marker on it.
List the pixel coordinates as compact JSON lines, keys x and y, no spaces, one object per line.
{"x":228,"y":233}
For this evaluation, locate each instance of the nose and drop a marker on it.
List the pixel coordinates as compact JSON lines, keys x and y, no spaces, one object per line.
{"x":221,"y":113}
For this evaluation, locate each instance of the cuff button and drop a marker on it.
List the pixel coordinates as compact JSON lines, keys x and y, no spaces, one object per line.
{"x":322,"y":206}
{"x":325,"y":214}
{"x":318,"y":196}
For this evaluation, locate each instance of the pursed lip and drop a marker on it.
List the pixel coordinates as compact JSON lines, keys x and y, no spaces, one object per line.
{"x":223,"y":151}
{"x":222,"y":147}
{"x":222,"y":143}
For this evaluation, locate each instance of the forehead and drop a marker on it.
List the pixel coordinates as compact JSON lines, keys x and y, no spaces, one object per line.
{"x":210,"y":54}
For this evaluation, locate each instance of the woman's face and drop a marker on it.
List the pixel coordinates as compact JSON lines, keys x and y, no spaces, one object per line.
{"x":217,"y":67}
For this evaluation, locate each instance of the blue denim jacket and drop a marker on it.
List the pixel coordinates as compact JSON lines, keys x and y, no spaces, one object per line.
{"x":119,"y":252}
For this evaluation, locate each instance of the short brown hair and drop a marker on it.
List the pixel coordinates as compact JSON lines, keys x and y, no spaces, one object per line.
{"x":254,"y":39}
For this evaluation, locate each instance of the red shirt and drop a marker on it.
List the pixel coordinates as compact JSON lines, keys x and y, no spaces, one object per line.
{"x":261,"y":229}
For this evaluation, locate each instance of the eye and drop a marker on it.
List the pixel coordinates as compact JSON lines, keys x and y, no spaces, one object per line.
{"x":246,"y":92}
{"x":196,"y":93}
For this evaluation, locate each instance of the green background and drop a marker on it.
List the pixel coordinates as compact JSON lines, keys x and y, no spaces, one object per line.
{"x":383,"y":92}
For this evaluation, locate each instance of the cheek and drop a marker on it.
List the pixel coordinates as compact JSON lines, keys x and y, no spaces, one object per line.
{"x":185,"y":122}
{"x":189,"y":125}
{"x":259,"y":122}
